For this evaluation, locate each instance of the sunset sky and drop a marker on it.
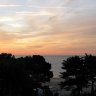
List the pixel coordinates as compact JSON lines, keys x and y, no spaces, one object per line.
{"x":48,"y":27}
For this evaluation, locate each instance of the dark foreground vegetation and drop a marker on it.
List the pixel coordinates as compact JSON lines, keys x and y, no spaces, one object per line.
{"x":79,"y":73}
{"x":22,"y":76}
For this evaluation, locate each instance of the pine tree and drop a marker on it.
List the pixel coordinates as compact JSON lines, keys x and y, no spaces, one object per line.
{"x":74,"y":75}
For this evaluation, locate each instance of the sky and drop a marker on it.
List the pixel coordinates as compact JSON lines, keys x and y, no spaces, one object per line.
{"x":48,"y":27}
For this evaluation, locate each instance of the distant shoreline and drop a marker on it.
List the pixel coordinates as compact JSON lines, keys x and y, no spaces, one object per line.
{"x":48,"y":55}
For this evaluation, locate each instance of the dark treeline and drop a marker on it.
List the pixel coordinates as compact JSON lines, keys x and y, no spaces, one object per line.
{"x":21,"y":76}
{"x":24,"y":76}
{"x":79,"y":73}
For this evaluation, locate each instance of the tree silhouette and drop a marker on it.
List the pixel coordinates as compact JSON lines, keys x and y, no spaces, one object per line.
{"x":74,"y":75}
{"x":6,"y":62}
{"x":36,"y":71}
{"x":21,"y":75}
{"x":90,"y":62}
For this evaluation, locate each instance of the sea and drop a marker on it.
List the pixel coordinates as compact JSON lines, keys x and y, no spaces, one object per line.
{"x":56,"y":63}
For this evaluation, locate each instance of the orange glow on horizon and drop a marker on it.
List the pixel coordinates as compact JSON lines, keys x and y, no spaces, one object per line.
{"x":56,"y":27}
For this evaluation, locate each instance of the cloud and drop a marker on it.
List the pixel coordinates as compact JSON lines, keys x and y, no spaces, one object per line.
{"x":54,"y":7}
{"x":35,"y":46}
{"x":44,"y":13}
{"x":11,"y":5}
{"x":5,"y":37}
{"x":11,"y":18}
{"x":67,"y":2}
{"x":37,"y":26}
{"x":58,"y":29}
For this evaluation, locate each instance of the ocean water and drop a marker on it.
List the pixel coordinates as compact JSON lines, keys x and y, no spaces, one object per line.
{"x":56,"y":64}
